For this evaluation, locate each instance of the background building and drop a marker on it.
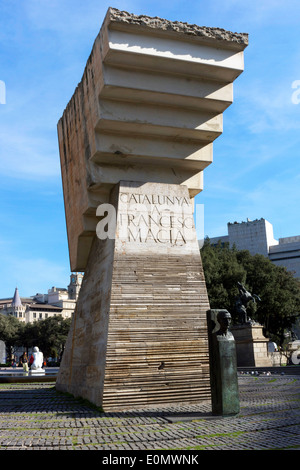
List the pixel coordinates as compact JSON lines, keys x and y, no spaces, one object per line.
{"x":257,"y":237}
{"x":58,"y":301}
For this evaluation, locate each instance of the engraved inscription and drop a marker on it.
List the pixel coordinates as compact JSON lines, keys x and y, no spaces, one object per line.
{"x":155,"y":218}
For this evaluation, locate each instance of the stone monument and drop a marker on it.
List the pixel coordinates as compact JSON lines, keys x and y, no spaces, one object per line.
{"x":251,"y":344}
{"x":134,"y":141}
{"x":223,"y":364}
{"x":37,"y":365}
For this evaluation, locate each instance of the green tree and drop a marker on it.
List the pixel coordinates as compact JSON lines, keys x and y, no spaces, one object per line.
{"x":49,"y":335}
{"x":53,"y":334}
{"x":10,"y":332}
{"x":278,"y":290}
{"x":222,"y":273}
{"x":29,"y":336}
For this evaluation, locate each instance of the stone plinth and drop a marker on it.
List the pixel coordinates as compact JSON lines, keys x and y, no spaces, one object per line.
{"x":138,"y":131}
{"x":139,"y":333}
{"x":251,"y":346}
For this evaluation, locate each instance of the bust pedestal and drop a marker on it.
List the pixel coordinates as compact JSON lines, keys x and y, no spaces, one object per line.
{"x":223,"y":369}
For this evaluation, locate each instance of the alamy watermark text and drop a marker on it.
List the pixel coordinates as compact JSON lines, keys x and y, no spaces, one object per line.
{"x":296,"y":94}
{"x":2,"y":92}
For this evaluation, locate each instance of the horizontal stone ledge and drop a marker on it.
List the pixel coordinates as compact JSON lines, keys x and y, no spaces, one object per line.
{"x":163,"y":116}
{"x":112,"y":174}
{"x":180,"y":84}
{"x":171,"y":382}
{"x":171,"y":363}
{"x":123,"y":149}
{"x":160,"y":64}
{"x":163,"y":99}
{"x":159,"y":346}
{"x":117,"y":160}
{"x":203,"y":135}
{"x":144,"y":50}
{"x":154,"y":388}
{"x":148,"y":394}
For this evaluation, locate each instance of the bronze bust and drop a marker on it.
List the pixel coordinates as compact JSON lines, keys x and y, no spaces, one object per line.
{"x":224,"y":320}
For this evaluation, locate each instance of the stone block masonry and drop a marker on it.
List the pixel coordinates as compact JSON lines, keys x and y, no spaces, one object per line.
{"x":139,"y":333}
{"x":252,"y":346}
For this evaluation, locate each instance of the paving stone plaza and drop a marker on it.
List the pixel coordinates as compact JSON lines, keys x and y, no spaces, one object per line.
{"x":34,"y":416}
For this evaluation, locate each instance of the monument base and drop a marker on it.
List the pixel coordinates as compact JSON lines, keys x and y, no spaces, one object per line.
{"x":139,"y":332}
{"x":251,"y":346}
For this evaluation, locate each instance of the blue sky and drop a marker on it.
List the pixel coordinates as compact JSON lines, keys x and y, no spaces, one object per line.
{"x":44,"y":46}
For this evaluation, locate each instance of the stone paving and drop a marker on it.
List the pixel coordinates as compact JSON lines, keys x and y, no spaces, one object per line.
{"x":33,"y":416}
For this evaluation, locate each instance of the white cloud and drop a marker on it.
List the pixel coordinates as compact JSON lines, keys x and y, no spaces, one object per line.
{"x":24,"y":156}
{"x":269,"y":107}
{"x":31,"y":275}
{"x":65,"y":16}
{"x":258,"y":12}
{"x":73,"y":18}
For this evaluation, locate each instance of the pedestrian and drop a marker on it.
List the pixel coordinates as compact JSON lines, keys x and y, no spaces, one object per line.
{"x":25,"y":362}
{"x":31,"y":360}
